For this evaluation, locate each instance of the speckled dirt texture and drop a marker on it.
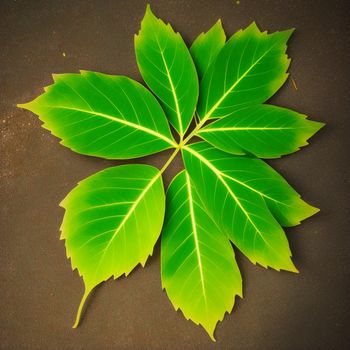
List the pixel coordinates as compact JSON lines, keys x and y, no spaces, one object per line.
{"x":39,"y":292}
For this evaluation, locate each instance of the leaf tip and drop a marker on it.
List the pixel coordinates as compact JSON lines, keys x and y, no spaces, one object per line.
{"x":319,"y":125}
{"x":253,"y":26}
{"x":291,"y":267}
{"x":149,"y":10}
{"x":316,"y":210}
{"x":21,"y":105}
{"x":311,"y":211}
{"x":290,"y":31}
{"x":210,"y":329}
{"x":62,"y":204}
{"x":287,"y":33}
{"x":28,"y":106}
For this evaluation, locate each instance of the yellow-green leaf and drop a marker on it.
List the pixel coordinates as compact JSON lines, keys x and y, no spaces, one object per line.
{"x":199,"y":270}
{"x":112,"y":222}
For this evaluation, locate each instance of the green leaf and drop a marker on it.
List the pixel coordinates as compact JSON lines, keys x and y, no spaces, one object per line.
{"x":112,"y":222}
{"x":265,"y":131}
{"x":167,"y":67}
{"x":206,"y":47}
{"x":258,"y":177}
{"x":112,"y":117}
{"x":199,"y":271}
{"x":241,"y":193}
{"x":249,"y":69}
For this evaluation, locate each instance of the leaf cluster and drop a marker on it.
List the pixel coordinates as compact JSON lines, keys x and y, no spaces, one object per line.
{"x":215,"y":91}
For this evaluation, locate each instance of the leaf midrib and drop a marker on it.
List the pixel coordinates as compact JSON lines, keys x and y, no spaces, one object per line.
{"x":209,"y":129}
{"x":172,"y":89}
{"x":195,"y":235}
{"x":118,"y":120}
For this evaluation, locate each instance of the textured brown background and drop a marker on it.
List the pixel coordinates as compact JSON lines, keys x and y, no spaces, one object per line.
{"x":40,"y":293}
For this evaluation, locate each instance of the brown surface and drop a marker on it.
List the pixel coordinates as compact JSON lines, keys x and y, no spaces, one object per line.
{"x":40,"y":293}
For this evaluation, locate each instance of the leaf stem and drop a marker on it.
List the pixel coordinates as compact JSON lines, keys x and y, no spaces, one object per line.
{"x":81,"y":306}
{"x":173,"y":155}
{"x":196,"y":118}
{"x":194,"y":131}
